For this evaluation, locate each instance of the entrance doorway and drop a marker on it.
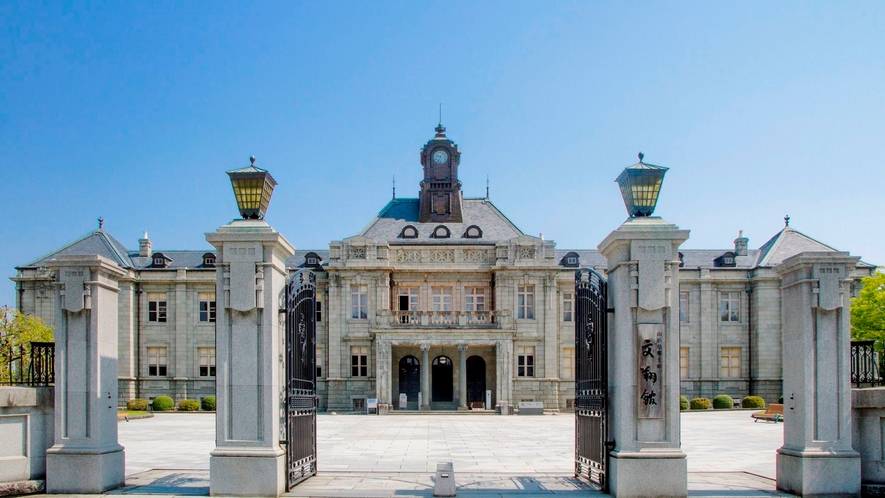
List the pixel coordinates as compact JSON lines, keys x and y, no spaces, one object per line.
{"x":476,"y":380}
{"x":410,"y":381}
{"x":441,"y":385}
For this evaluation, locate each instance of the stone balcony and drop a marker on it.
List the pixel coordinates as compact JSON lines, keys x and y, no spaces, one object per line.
{"x":497,"y":319}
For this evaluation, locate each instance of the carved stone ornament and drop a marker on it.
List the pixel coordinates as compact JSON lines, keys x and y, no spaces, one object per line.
{"x":74,"y":292}
{"x":474,"y":256}
{"x":830,"y":292}
{"x":442,"y":256}
{"x":651,"y":256}
{"x":407,"y":256}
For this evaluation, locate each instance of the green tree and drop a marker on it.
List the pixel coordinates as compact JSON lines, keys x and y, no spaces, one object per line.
{"x":868,"y":309}
{"x":17,"y":330}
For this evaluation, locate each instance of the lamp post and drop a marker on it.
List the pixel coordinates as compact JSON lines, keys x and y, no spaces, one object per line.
{"x":640,"y":186}
{"x":253,"y":188}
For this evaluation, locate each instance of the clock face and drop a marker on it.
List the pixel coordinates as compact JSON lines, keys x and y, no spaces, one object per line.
{"x":440,"y":157}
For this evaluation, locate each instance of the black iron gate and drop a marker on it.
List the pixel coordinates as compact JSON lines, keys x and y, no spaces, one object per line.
{"x":301,"y":426}
{"x":591,"y":378}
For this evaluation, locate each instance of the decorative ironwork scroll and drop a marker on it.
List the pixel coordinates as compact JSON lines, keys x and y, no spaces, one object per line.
{"x":591,"y":378}
{"x":864,"y":364}
{"x":301,"y":451}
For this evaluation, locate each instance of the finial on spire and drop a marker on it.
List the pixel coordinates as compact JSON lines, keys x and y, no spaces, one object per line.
{"x":394,"y":187}
{"x":100,"y":223}
{"x":787,"y":220}
{"x":252,"y":160}
{"x":487,"y":187}
{"x":440,"y":113}
{"x":641,"y":156}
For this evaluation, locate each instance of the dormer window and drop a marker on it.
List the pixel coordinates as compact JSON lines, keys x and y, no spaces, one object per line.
{"x":209,"y":260}
{"x":681,"y":260}
{"x":160,"y":260}
{"x":571,"y":259}
{"x":409,"y":232}
{"x":312,"y":259}
{"x":473,"y":232}
{"x":441,"y":232}
{"x":726,"y":260}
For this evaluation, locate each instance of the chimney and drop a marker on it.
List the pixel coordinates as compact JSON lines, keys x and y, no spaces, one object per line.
{"x":144,"y":246}
{"x":740,"y":244}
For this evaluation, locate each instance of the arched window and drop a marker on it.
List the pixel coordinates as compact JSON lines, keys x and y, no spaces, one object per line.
{"x":209,"y":260}
{"x":441,"y":232}
{"x":409,"y":232}
{"x":473,"y":232}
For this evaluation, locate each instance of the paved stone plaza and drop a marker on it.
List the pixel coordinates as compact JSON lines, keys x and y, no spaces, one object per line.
{"x":728,"y":454}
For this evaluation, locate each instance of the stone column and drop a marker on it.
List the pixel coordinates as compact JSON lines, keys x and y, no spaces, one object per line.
{"x":382,"y":376}
{"x":504,"y":360}
{"x":462,"y":377}
{"x":817,"y":458}
{"x":86,"y":457}
{"x":643,"y":345}
{"x":425,"y":377}
{"x":251,"y":280}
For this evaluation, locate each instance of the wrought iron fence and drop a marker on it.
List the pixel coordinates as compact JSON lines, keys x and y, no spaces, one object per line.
{"x":865,"y":364}
{"x":28,"y":365}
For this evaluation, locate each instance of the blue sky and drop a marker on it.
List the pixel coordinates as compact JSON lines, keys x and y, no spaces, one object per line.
{"x":133,"y":111}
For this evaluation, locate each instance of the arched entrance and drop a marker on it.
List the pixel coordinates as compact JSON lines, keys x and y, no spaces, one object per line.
{"x":476,"y":380}
{"x":410,"y":381}
{"x":441,"y":386}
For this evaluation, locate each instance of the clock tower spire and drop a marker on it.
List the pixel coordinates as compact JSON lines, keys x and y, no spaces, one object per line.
{"x":440,"y":199}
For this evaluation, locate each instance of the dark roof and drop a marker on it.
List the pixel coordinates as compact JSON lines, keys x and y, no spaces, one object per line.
{"x":96,"y":242}
{"x":398,"y":213}
{"x":179,"y":259}
{"x":297,"y":261}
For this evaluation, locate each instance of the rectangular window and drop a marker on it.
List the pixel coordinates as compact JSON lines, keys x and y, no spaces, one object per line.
{"x":442,"y":298}
{"x":207,"y":306}
{"x":730,"y":306}
{"x":683,"y":363}
{"x":319,"y":353}
{"x":683,"y":307}
{"x":474,"y":299}
{"x":359,"y":297}
{"x":730,"y":361}
{"x":359,"y":404}
{"x":568,"y":306}
{"x":207,"y":361}
{"x":156,"y":362}
{"x":156,"y":307}
{"x":408,"y":299}
{"x":568,"y":363}
{"x":319,"y":311}
{"x":525,"y":303}
{"x":359,"y":361}
{"x":525,"y":361}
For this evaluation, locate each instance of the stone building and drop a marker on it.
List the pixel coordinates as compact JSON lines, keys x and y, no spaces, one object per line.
{"x":440,"y":299}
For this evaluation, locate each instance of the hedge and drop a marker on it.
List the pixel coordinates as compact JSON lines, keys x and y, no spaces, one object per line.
{"x":188,"y":405}
{"x":162,"y":404}
{"x":208,"y":403}
{"x":683,"y":403}
{"x":723,"y":402}
{"x":752,"y":402}
{"x":137,"y":405}
{"x":699,"y":404}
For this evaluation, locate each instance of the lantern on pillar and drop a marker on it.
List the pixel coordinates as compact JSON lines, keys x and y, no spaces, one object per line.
{"x":640,"y":186}
{"x":253,"y":188}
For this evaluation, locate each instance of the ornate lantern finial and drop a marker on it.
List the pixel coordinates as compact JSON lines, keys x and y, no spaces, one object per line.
{"x":253,"y":188}
{"x":640,"y":187}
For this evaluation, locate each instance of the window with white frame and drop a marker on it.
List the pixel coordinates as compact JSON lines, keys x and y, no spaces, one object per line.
{"x":156,"y":361}
{"x":442,"y":298}
{"x":474,"y":298}
{"x":359,"y":361}
{"x":156,"y":306}
{"x":683,"y":307}
{"x":359,"y":297}
{"x":568,"y":306}
{"x":525,"y":361}
{"x":730,"y":306}
{"x":568,"y":363}
{"x":683,"y":363}
{"x":730,"y":363}
{"x":207,"y":306}
{"x":408,"y":299}
{"x":525,"y":302}
{"x":207,"y":361}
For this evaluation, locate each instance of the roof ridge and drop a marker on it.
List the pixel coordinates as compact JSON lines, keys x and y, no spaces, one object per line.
{"x":59,"y":249}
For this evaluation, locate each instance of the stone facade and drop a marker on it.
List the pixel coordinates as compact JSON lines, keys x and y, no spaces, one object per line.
{"x":403,"y":294}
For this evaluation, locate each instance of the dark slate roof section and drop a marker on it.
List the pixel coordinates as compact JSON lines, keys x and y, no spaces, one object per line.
{"x":586,"y":258}
{"x":96,"y":242}
{"x":705,"y":258}
{"x":398,"y":213}
{"x":180,"y":259}
{"x":297,"y":261}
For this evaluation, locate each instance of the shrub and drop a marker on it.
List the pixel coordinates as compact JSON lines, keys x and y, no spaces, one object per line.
{"x":208,"y":403}
{"x":752,"y":402}
{"x":699,"y":404}
{"x":162,"y":404}
{"x":137,"y":405}
{"x":683,"y":403}
{"x":723,"y":402}
{"x":188,"y":405}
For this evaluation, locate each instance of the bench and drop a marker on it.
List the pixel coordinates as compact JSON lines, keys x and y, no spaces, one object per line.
{"x":774,"y":413}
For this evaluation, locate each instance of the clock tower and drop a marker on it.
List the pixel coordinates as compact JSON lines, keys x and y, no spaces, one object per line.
{"x":440,"y":197}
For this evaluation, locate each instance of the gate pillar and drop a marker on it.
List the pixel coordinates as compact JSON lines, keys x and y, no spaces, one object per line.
{"x":250,"y":282}
{"x":817,"y":458}
{"x":643,"y":346}
{"x":86,"y":457}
